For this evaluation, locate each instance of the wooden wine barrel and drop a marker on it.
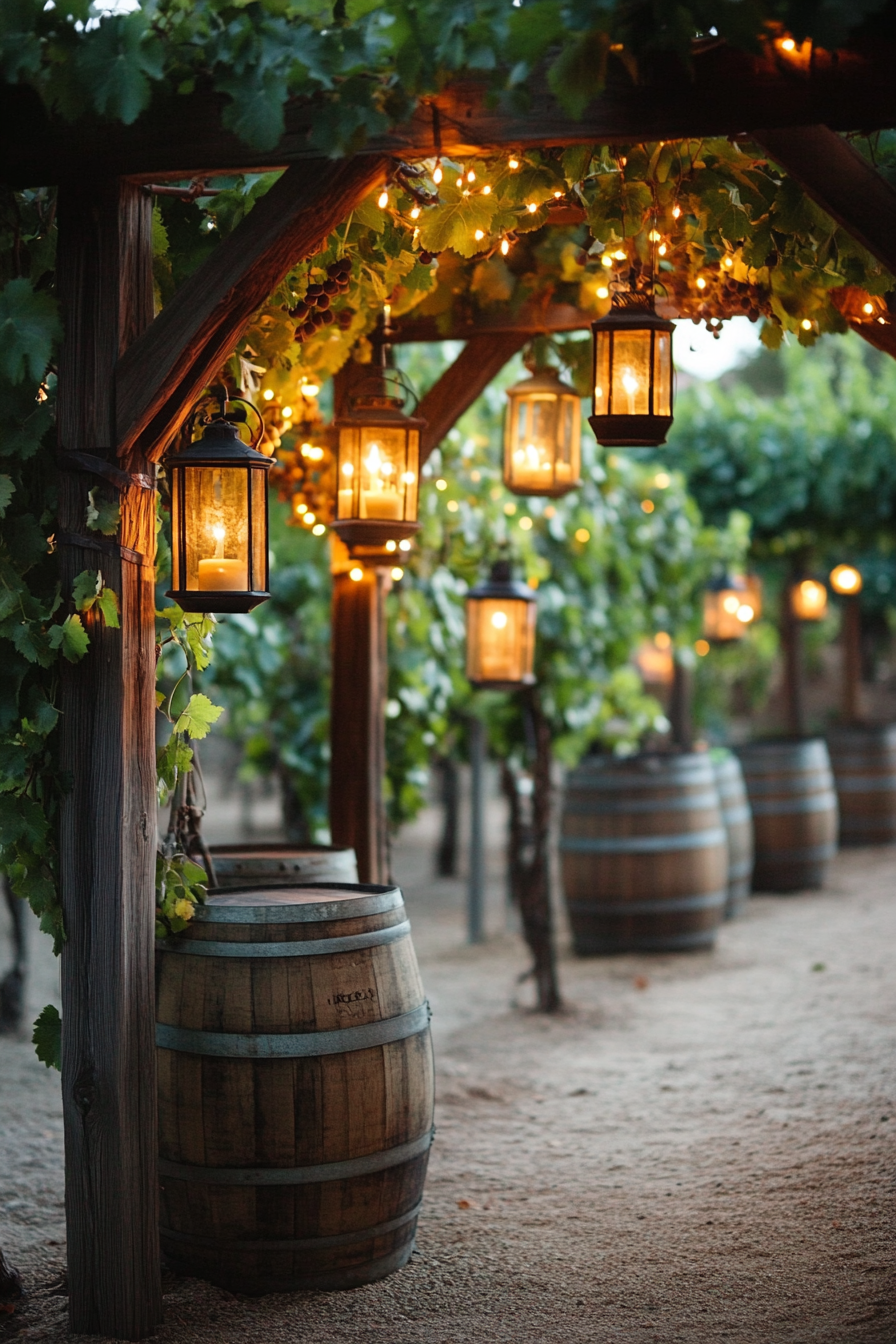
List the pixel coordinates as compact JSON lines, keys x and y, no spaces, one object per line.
{"x":295,"y":1088}
{"x":738,"y":822}
{"x":281,"y":865}
{"x":791,"y":792}
{"x":864,"y":764}
{"x":644,"y":854}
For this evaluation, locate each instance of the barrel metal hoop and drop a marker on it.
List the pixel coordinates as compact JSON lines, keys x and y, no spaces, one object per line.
{"x":785,"y":807}
{"x":695,"y":803}
{"x":298,"y":1244}
{"x":669,"y":942}
{"x":674,"y":905}
{"x":866,"y":783}
{"x":641,"y":844}
{"x":603,"y":783}
{"x":767,"y":857}
{"x":311,"y":947}
{"x":233,"y":1045}
{"x":790,"y":786}
{"x":324,"y":1171}
{"x":312,"y":913}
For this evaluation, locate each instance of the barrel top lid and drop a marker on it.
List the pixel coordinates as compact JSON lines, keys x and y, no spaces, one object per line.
{"x":303,"y":902}
{"x":275,"y":851}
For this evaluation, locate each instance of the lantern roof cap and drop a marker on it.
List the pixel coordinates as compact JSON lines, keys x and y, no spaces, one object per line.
{"x":544,"y":378}
{"x":633,"y":311}
{"x":220,"y":443}
{"x":728,"y":583}
{"x":501,"y":586}
{"x":379,"y":399}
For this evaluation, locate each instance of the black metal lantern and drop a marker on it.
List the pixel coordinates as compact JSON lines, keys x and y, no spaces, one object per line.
{"x":378,"y":459}
{"x":219,"y":520}
{"x":542,"y":449}
{"x":808,"y":600}
{"x":728,"y":608}
{"x":501,"y":631}
{"x":632,"y":374}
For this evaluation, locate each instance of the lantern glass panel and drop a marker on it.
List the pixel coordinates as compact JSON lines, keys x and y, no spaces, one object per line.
{"x":662,"y":374}
{"x":630,"y":389}
{"x":218,"y":517}
{"x":542,"y":451}
{"x":378,"y":473}
{"x":725,"y":614}
{"x":603,"y":341}
{"x":500,"y":640}
{"x":809,"y":600}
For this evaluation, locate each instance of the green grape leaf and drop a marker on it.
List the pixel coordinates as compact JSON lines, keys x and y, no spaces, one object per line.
{"x":47,"y":1037}
{"x":454,"y":222}
{"x":103,"y":515}
{"x":33,"y":643}
{"x":29,"y":327}
{"x":117,"y":62}
{"x":70,"y":638}
{"x":107,"y":606}
{"x":172,"y":760}
{"x":86,"y":588}
{"x":579,"y":72}
{"x":7,"y":490}
{"x":21,"y":819}
{"x":198,"y":716}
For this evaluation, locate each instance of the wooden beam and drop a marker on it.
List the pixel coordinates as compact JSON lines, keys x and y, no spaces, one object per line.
{"x":165,"y":369}
{"x":107,"y":839}
{"x":727,"y":92}
{"x":533,"y":319}
{"x":841,"y":181}
{"x":481,"y":359}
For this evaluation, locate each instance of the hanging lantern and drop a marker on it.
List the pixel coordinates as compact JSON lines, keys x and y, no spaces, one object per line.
{"x":542,"y":433}
{"x":378,"y":462}
{"x":809,"y":600}
{"x":501,"y":631}
{"x":219,"y":519}
{"x":846,"y":580}
{"x":632,"y":375}
{"x":728,"y":608}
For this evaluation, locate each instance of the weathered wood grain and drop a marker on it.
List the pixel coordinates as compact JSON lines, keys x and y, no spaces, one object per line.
{"x":164,"y":370}
{"x":533,"y":319}
{"x":107,"y":832}
{"x":726,"y":92}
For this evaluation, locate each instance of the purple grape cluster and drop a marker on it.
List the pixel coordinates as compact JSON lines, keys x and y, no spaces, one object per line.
{"x":315,"y":310}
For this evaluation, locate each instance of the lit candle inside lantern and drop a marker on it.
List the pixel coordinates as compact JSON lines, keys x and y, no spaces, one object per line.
{"x":563,"y":471}
{"x":220,"y":574}
{"x":630,"y":384}
{"x":379,"y":499}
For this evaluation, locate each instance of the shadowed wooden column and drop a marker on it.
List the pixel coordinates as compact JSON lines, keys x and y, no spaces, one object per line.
{"x":852,"y":658}
{"x":107,"y":836}
{"x":358,"y":721}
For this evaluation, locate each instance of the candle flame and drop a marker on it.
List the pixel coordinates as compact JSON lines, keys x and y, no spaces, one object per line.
{"x":499,"y":620}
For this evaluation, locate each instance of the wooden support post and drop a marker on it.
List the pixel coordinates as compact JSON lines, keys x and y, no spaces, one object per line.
{"x":107,"y":837}
{"x":852,"y":659}
{"x":358,"y":721}
{"x":681,"y":706}
{"x":792,"y":639}
{"x":476,"y":878}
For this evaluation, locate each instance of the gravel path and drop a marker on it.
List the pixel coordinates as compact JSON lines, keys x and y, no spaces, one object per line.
{"x":700,"y":1149}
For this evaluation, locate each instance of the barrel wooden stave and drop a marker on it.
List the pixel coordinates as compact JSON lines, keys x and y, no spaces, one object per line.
{"x":655,"y":877}
{"x":863,"y":759}
{"x":737,"y":819}
{"x":791,"y":792}
{"x":282,"y":865}
{"x":254,"y":1132}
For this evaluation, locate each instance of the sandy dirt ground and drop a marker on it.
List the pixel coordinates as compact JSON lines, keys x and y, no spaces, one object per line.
{"x":701,"y":1148}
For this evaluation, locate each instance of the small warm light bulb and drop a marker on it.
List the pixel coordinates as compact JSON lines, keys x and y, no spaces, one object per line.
{"x":441,"y":484}
{"x":505,"y":247}
{"x":603,"y":292}
{"x":479,"y":235}
{"x":356,"y":574}
{"x":513,"y":164}
{"x":460,"y":183}
{"x":309,"y":518}
{"x":731,"y":604}
{"x":582,"y":534}
{"x":806,"y":324}
{"x":499,"y":620}
{"x":453,"y":506}
{"x":701,"y":282}
{"x":397,"y":573}
{"x":299,"y":507}
{"x":310,"y":389}
{"x":648,"y":505}
{"x":662,"y":480}
{"x":526,"y":524}
{"x":404,"y":545}
{"x":383,"y":199}
{"x":662,"y":639}
{"x":471,"y":176}
{"x":557,"y":195}
{"x":606,"y":260}
{"x":676,"y":212}
{"x":745,"y":613}
{"x":788,"y":44}
{"x":391,"y":546}
{"x":867,"y":308}
{"x":318,"y":530}
{"x":486,"y":190}
{"x":287,"y":412}
{"x":701,"y":648}
{"x":415,"y":213}
{"x":662,"y":249}
{"x":268,"y":393}
{"x":437,"y":174}
{"x":531,"y":207}
{"x":846,"y":579}
{"x":620,"y":254}
{"x":348,"y":469}
{"x":728,"y":262}
{"x":654,"y":236}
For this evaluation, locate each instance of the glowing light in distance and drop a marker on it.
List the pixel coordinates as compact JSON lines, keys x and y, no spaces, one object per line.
{"x":606,"y":260}
{"x":806,"y":324}
{"x":846,"y":579}
{"x":415,"y":213}
{"x":486,"y":190}
{"x":318,"y":530}
{"x":391,"y":546}
{"x":867,"y":308}
{"x":662,"y":639}
{"x":654,"y":236}
{"x":397,"y":573}
{"x":437,"y":174}
{"x":663,"y":480}
{"x":453,"y":506}
{"x":356,"y":574}
{"x":310,"y":389}
{"x":745,"y":613}
{"x":308,"y":519}
{"x":788,"y":44}
{"x":510,"y":510}
{"x":676,"y":212}
{"x":662,"y":249}
{"x":526,"y":524}
{"x":621,"y":255}
{"x":441,"y":484}
{"x":531,"y":207}
{"x":300,"y":507}
{"x":505,"y":247}
{"x":727,"y":262}
{"x":648,"y":505}
{"x":499,"y":620}
{"x":479,"y":235}
{"x":383,"y":199}
{"x":513,"y":164}
{"x":731,"y":604}
{"x":603,"y":292}
{"x":404,"y":545}
{"x":701,"y":282}
{"x":471,"y":176}
{"x":268,"y":394}
{"x":582,"y":534}
{"x":701,"y":647}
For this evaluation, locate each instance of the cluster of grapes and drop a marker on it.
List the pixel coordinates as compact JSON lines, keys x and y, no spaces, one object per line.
{"x":722,"y":298}
{"x":315,"y":311}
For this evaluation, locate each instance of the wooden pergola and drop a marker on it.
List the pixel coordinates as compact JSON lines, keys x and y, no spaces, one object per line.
{"x":127,"y":381}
